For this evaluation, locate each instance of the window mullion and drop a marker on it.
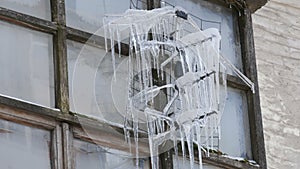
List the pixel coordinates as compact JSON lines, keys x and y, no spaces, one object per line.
{"x":67,"y":145}
{"x":58,"y":12}
{"x":60,"y":56}
{"x":57,"y":155}
{"x":254,"y":109}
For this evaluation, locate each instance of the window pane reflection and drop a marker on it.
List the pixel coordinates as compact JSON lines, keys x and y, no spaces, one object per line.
{"x":23,"y":147}
{"x":83,"y":62}
{"x":88,"y":15}
{"x":37,"y":8}
{"x":92,"y":156}
{"x":26,"y":64}
{"x":93,"y":90}
{"x":235,"y":131}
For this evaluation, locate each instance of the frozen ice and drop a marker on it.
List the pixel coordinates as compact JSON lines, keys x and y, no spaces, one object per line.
{"x":165,"y":59}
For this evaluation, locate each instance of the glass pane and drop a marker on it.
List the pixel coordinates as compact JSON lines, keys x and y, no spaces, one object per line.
{"x":209,"y":15}
{"x":235,"y":131}
{"x":88,"y":15}
{"x":93,"y":89}
{"x":179,"y":163}
{"x":26,"y":64}
{"x":92,"y":156}
{"x":23,"y":147}
{"x":37,"y":8}
{"x":82,"y":65}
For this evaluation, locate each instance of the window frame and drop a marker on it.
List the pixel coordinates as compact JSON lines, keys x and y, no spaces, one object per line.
{"x":65,"y":124}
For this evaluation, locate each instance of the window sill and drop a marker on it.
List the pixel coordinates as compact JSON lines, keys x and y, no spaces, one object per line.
{"x":227,"y":162}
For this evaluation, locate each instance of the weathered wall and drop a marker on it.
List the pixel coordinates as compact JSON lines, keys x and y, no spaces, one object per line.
{"x":277,"y":43}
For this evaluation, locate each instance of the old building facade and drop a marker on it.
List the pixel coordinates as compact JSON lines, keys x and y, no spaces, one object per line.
{"x":277,"y":44}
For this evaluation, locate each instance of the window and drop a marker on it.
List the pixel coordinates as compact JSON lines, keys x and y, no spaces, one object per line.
{"x":91,"y":83}
{"x":29,"y":146}
{"x":235,"y":130}
{"x":92,"y":156}
{"x":26,"y":64}
{"x":83,"y":62}
{"x":37,"y":8}
{"x":51,"y":62}
{"x":87,"y":16}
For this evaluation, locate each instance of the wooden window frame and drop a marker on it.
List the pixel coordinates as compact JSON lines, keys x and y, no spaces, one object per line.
{"x":65,"y":125}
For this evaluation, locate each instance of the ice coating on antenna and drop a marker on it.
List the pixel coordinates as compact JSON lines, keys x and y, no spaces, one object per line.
{"x":169,"y":54}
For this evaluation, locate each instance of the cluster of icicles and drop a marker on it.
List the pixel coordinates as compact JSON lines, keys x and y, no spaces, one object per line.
{"x":167,"y":41}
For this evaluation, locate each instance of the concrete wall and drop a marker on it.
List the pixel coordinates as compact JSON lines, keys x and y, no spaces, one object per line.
{"x":277,"y":43}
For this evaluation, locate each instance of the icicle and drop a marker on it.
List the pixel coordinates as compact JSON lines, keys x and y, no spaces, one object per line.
{"x":198,"y":135}
{"x":189,"y":137}
{"x":174,"y":137}
{"x":206,"y":140}
{"x":182,"y":136}
{"x":182,"y":62}
{"x":150,"y":128}
{"x":119,"y":41}
{"x":154,"y":141}
{"x":238,"y":73}
{"x":136,"y":140}
{"x":105,"y":33}
{"x":112,"y":46}
{"x":211,"y":133}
